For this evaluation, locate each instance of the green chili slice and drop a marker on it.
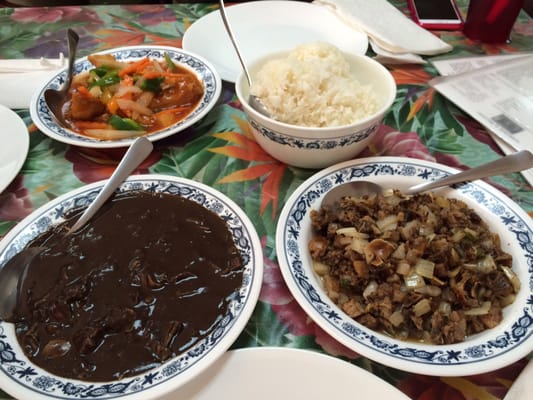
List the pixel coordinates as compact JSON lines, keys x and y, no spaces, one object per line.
{"x":170,"y":63}
{"x":109,"y":78}
{"x":124,"y":124}
{"x":152,"y":85}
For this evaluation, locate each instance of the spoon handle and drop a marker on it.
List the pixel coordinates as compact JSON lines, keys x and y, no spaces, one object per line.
{"x":72,"y":38}
{"x":518,"y":161}
{"x":137,"y":152}
{"x":233,"y":41}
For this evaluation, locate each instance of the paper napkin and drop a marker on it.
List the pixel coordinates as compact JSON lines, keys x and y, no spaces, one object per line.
{"x":392,"y":34}
{"x":21,"y":78}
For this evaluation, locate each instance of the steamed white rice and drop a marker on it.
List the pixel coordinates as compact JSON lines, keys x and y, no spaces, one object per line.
{"x":313,"y":86}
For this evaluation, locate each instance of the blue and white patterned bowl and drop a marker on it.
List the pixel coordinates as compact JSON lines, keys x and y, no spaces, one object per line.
{"x":314,"y":147}
{"x":206,"y":73}
{"x":511,"y":340}
{"x":24,"y":380}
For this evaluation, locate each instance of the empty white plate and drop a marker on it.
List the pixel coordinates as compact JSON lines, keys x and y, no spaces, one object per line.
{"x":269,"y":373}
{"x":264,"y":27}
{"x":15,"y":144}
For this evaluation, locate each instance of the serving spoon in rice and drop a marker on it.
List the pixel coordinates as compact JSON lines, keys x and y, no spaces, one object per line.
{"x":254,"y":101}
{"x":518,"y":161}
{"x":13,"y":273}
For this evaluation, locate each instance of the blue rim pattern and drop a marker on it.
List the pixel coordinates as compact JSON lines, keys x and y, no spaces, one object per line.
{"x":17,"y":367}
{"x":305,"y":143}
{"x":206,"y":74}
{"x":517,"y":223}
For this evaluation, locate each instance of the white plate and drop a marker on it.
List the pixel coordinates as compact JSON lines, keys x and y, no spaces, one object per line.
{"x":264,"y":27}
{"x":42,"y":117}
{"x":15,"y":141}
{"x":24,"y":380}
{"x":269,"y":373}
{"x":486,"y":351}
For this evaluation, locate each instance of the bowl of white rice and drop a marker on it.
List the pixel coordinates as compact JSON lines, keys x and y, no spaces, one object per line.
{"x":324,"y":104}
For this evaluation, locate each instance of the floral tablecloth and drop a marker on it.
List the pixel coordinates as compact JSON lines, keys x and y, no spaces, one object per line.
{"x":220,"y":151}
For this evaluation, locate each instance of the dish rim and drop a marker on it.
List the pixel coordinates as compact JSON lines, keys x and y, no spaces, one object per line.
{"x":14,"y":125}
{"x":481,"y":353}
{"x":202,"y":68}
{"x":20,"y":377}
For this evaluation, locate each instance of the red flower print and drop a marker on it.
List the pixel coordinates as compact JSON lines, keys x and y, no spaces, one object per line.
{"x":490,"y":386}
{"x":389,"y":142}
{"x":43,"y":14}
{"x":275,"y":292}
{"x":15,"y":202}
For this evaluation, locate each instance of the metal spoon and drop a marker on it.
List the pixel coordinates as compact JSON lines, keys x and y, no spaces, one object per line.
{"x":255,"y":103}
{"x":138,"y":151}
{"x":56,"y":98}
{"x":13,"y":273}
{"x":519,"y":161}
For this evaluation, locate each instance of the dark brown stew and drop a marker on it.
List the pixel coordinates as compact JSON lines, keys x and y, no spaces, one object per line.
{"x":145,"y":280}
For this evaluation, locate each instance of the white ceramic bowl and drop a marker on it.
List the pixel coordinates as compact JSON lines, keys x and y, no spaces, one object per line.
{"x":206,"y":73}
{"x":24,"y":380}
{"x":489,"y":350}
{"x":313,"y":147}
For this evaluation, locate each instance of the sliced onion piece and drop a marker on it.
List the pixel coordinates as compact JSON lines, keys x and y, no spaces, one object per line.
{"x":482,"y":310}
{"x":429,"y":290}
{"x":422,"y":307}
{"x":320,"y":268}
{"x":389,"y":223}
{"x":396,"y":318}
{"x":130,"y":105}
{"x":425,"y":268}
{"x":513,"y":278}
{"x":414,"y":281}
{"x":370,"y":289}
{"x":351,"y":232}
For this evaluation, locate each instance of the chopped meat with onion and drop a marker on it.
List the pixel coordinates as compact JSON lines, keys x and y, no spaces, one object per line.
{"x":420,"y":267}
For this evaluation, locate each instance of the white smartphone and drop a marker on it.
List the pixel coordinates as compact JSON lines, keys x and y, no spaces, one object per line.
{"x":436,"y":14}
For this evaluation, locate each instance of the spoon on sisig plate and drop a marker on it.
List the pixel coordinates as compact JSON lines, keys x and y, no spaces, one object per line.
{"x":255,"y":103}
{"x":13,"y":273}
{"x":518,"y":161}
{"x":55,"y":98}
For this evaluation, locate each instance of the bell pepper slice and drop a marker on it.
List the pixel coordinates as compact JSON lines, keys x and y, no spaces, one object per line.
{"x":124,"y":124}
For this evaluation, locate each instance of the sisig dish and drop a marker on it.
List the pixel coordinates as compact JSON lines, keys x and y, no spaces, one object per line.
{"x":422,"y":268}
{"x":481,"y":352}
{"x":85,"y":332}
{"x":122,"y":93}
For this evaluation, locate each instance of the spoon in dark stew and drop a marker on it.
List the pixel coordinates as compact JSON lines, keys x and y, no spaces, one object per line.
{"x":255,"y":102}
{"x":55,"y":98}
{"x":518,"y":161}
{"x":13,"y":273}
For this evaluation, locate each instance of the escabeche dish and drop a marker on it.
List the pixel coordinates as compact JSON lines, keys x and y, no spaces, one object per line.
{"x":486,"y":351}
{"x":205,"y":72}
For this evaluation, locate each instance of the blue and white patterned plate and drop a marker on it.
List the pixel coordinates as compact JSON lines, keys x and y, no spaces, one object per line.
{"x":22,"y":379}
{"x":486,"y":351}
{"x":206,"y":73}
